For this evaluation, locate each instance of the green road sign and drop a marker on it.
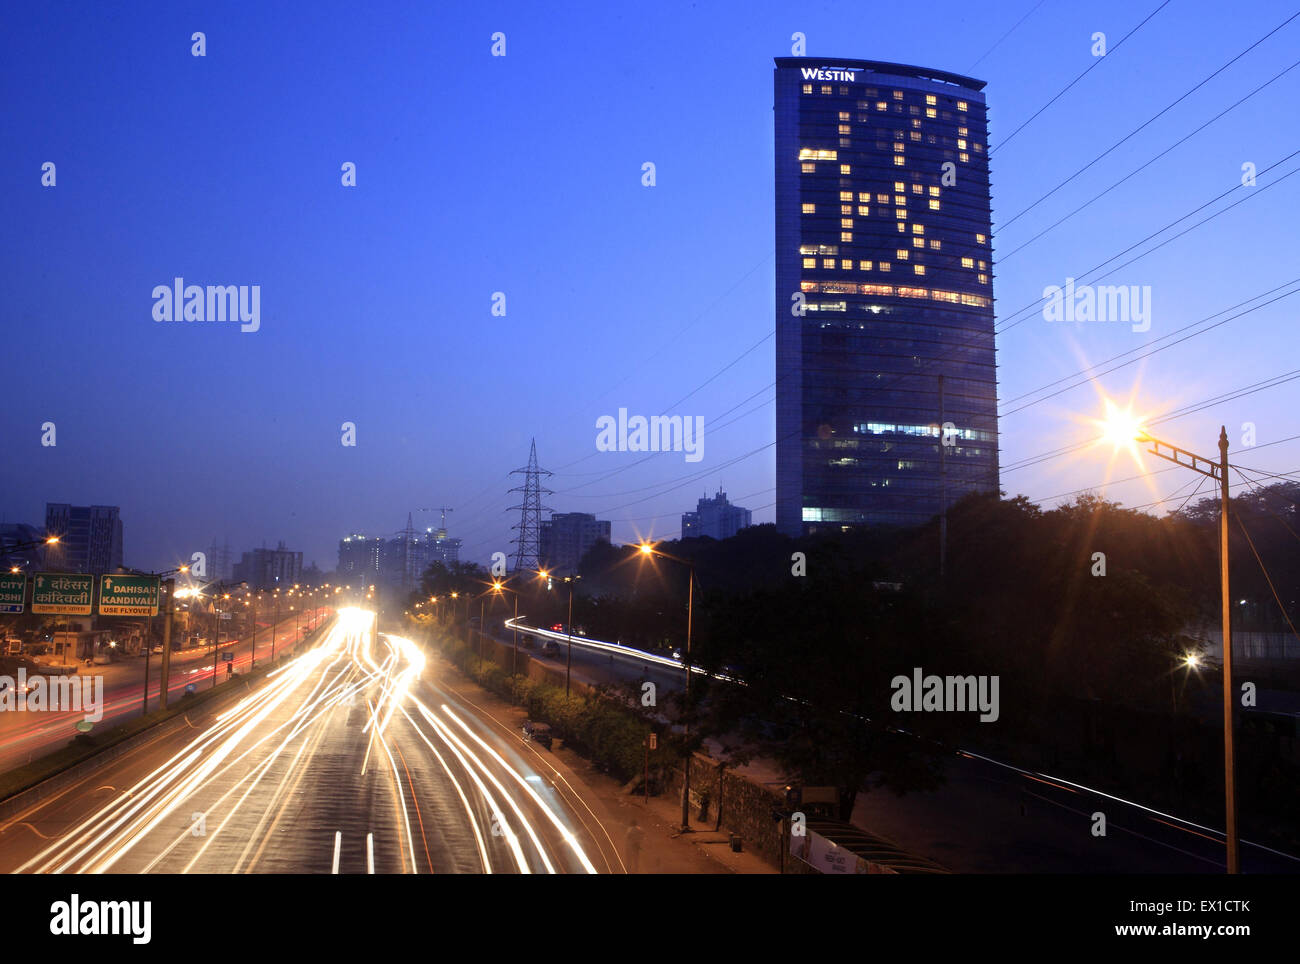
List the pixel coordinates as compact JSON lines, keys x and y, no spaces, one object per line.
{"x":67,"y":593}
{"x":128,"y":595}
{"x":12,"y":589}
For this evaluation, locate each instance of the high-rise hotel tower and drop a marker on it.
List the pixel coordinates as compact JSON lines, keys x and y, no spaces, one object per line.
{"x":884,"y":294}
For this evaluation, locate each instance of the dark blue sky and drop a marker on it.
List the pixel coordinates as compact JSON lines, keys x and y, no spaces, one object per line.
{"x":522,"y":174}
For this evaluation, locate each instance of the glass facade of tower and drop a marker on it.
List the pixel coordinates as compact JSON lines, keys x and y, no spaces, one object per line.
{"x":884,"y":294}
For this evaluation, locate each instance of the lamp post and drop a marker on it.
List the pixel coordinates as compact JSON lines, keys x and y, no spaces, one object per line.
{"x":167,"y":587}
{"x":1122,"y":427}
{"x":568,"y":656}
{"x":647,"y":549}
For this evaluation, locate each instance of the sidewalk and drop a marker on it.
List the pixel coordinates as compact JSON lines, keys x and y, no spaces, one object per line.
{"x":645,"y":835}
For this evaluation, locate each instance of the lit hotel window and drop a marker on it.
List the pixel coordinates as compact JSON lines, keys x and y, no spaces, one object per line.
{"x":846,"y":264}
{"x":900,"y":213}
{"x":902,"y":229}
{"x":962,"y":131}
{"x":900,"y":200}
{"x":917,"y":189}
{"x":984,"y":279}
{"x":863,"y":210}
{"x":898,"y":95}
{"x":961,"y":143}
{"x":828,"y":263}
{"x":899,"y":160}
{"x":931,"y":113}
{"x":934,"y":244}
{"x":931,"y":99}
{"x":964,"y":157}
{"x":898,"y":148}
{"x":981,"y":239}
{"x":844,"y":115}
{"x":961,"y":105}
{"x":968,"y":262}
{"x":919,"y":268}
{"x":864,"y":196}
{"x":918,"y":242}
{"x":846,"y":195}
{"x":809,"y":209}
{"x":934,"y":205}
{"x":864,"y":265}
{"x":934,"y":192}
{"x":918,"y":229}
{"x":884,"y":266}
{"x":846,"y":169}
{"x":846,"y":236}
{"x":808,"y":167}
{"x":807,"y":88}
{"x":816,"y":154}
{"x":880,"y":105}
{"x":846,"y":222}
{"x":984,"y":266}
{"x":846,"y":209}
{"x":810,"y":262}
{"x":844,"y":129}
{"x":882,"y":198}
{"x":978,"y":147}
{"x":898,"y":187}
{"x":826,"y":88}
{"x":902,"y":254}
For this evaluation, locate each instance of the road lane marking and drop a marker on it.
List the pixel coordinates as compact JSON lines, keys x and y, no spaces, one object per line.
{"x":338,"y":843}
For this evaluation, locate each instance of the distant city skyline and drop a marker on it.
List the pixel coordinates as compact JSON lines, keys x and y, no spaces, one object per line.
{"x":526,"y":176}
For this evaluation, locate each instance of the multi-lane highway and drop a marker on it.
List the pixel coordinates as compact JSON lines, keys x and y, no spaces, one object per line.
{"x":347,"y":759}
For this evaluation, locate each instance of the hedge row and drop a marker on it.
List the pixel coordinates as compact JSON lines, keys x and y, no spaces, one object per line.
{"x":599,"y":726}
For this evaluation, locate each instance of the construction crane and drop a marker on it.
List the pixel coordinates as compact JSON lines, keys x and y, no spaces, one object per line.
{"x":442,"y":528}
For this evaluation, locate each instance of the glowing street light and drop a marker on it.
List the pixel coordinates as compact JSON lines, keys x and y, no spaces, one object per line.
{"x":1122,"y":428}
{"x":648,"y":549}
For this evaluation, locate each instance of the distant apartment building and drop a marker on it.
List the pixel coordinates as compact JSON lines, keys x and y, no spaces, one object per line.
{"x":566,"y":537}
{"x":359,"y":555}
{"x":90,"y":537}
{"x":269,"y":568}
{"x":400,"y":561}
{"x":716,"y":518}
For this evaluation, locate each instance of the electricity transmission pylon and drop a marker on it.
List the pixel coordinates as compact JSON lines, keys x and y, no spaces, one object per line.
{"x":529,"y":540}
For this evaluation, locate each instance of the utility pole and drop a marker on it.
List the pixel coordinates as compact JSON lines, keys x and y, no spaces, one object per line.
{"x":1229,"y":697}
{"x":169,"y":587}
{"x":686,"y":723}
{"x":568,"y":662}
{"x":1219,"y":472}
{"x":148,"y":648}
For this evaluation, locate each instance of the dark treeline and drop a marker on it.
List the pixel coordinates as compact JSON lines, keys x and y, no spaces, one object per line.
{"x":1085,"y":613}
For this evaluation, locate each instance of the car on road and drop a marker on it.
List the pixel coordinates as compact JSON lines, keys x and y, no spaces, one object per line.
{"x":550,"y":648}
{"x":537,"y":733}
{"x":157,"y":650}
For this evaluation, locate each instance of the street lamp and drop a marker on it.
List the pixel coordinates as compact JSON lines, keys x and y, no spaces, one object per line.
{"x":1124,"y":428}
{"x":568,"y":661}
{"x":648,"y":550}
